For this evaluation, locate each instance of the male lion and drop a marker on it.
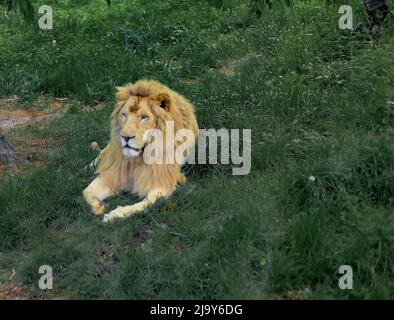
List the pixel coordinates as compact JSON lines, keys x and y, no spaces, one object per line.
{"x":140,"y":107}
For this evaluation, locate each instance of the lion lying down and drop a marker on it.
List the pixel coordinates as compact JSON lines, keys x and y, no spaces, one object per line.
{"x":140,"y":107}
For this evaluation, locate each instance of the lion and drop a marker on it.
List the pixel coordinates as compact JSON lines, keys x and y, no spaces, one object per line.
{"x":141,"y":107}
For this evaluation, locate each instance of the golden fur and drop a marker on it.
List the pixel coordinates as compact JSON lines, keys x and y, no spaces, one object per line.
{"x":141,"y":106}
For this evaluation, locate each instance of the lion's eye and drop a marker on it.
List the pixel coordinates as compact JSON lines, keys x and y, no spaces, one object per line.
{"x":123,"y":116}
{"x":143,"y":118}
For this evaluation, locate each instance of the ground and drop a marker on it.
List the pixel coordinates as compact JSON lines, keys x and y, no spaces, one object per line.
{"x":319,"y":102}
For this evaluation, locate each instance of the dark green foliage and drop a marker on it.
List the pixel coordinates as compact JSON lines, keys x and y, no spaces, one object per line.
{"x":24,"y":6}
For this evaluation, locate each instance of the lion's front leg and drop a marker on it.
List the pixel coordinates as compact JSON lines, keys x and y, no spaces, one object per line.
{"x":95,"y":193}
{"x":124,"y":212}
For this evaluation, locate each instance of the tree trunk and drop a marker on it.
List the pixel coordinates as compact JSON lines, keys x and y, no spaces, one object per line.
{"x":7,"y":153}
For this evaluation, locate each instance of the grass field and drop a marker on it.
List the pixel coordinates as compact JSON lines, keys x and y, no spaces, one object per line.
{"x":319,"y":101}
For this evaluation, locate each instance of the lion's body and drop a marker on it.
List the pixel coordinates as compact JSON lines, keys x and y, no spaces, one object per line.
{"x":134,"y":174}
{"x":156,"y":104}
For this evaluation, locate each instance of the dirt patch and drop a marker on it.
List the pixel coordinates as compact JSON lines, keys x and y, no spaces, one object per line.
{"x":35,"y":150}
{"x":10,"y":291}
{"x":14,"y":112}
{"x":229,"y":69}
{"x":30,"y":145}
{"x":97,"y":105}
{"x":10,"y":119}
{"x":2,"y":170}
{"x":300,"y":294}
{"x":189,"y":82}
{"x":108,"y":260}
{"x":8,"y":100}
{"x":13,"y":121}
{"x":32,"y":151}
{"x":144,"y":237}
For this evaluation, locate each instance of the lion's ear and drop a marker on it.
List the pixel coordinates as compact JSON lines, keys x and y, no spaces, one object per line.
{"x":164,"y":100}
{"x":122,"y":93}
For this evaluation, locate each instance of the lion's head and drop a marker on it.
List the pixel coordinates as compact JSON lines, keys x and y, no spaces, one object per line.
{"x":143,"y":106}
{"x":140,"y":107}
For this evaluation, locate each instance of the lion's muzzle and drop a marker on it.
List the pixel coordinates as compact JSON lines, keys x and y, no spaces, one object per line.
{"x":129,"y":148}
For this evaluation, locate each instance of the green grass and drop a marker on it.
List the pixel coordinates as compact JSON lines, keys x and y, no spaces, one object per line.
{"x":317,"y":100}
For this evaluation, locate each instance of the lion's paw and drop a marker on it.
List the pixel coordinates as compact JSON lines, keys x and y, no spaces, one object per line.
{"x":114,"y":214}
{"x":99,"y":209}
{"x":120,"y":213}
{"x":107,"y":218}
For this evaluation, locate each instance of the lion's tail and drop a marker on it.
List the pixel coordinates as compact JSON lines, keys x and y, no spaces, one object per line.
{"x":93,"y":164}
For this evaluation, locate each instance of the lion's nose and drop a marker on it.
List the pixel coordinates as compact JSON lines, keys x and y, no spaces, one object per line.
{"x":127,"y":138}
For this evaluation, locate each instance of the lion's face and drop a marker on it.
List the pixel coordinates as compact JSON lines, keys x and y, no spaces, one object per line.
{"x":134,"y":119}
